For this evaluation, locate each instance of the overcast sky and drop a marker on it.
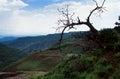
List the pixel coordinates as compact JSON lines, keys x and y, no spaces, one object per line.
{"x":37,"y":17}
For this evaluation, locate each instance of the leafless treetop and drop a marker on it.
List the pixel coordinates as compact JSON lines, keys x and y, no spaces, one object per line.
{"x":68,"y":21}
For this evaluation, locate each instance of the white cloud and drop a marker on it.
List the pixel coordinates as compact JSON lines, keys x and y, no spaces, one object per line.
{"x":41,"y":21}
{"x":8,"y":5}
{"x":25,"y":23}
{"x":110,"y":16}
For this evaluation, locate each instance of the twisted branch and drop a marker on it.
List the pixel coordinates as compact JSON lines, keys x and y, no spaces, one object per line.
{"x":68,"y":21}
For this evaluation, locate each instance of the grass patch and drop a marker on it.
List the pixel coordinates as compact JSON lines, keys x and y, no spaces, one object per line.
{"x":29,"y":65}
{"x":35,"y":75}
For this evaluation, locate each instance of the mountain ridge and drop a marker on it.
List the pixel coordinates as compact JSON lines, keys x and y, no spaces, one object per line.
{"x":31,"y":44}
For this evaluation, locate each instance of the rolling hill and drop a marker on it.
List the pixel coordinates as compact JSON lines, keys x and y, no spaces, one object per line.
{"x":16,"y":49}
{"x":78,"y":59}
{"x":48,"y":59}
{"x":7,"y":38}
{"x":9,"y":55}
{"x":39,"y":61}
{"x":32,"y":44}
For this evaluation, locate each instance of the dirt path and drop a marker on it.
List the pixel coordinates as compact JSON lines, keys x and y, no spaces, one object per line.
{"x":12,"y":75}
{"x":21,"y":76}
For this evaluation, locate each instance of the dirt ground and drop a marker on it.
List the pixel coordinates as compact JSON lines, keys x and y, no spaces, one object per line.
{"x":12,"y":75}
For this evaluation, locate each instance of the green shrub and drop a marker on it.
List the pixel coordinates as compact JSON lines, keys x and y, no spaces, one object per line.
{"x":72,"y":68}
{"x":102,"y":61}
{"x":89,"y":67}
{"x":117,"y":58}
{"x":97,"y":52}
{"x":102,"y":68}
{"x":102,"y":71}
{"x":92,"y":76}
{"x":83,"y":75}
{"x":107,"y":38}
{"x":117,"y":55}
{"x":117,"y":46}
{"x":78,"y":75}
{"x":57,"y":76}
{"x":116,"y":74}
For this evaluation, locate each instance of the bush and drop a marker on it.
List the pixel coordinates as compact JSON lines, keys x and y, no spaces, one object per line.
{"x":102,"y":71}
{"x":117,"y":58}
{"x":117,"y":46}
{"x":116,"y":74}
{"x":92,"y":76}
{"x":89,"y":67}
{"x":107,"y":38}
{"x":78,"y":75}
{"x":97,"y":52}
{"x":57,"y":76}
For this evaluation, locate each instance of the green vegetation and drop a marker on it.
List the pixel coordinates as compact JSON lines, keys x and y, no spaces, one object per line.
{"x":35,"y":75}
{"x":39,"y":61}
{"x":81,"y":68}
{"x":14,"y":50}
{"x":69,"y":46}
{"x":89,"y":67}
{"x":100,"y":63}
{"x":109,"y":39}
{"x":29,"y":65}
{"x":9,"y":55}
{"x":80,"y":58}
{"x":31,"y":44}
{"x":116,"y":74}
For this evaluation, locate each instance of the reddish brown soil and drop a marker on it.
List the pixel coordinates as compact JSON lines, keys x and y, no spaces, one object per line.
{"x":21,"y":76}
{"x":12,"y":75}
{"x":46,"y":56}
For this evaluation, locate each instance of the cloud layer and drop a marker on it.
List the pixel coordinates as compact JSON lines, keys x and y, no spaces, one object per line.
{"x":15,"y":20}
{"x":8,"y":5}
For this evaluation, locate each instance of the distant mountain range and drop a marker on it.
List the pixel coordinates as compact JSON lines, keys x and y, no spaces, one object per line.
{"x":35,"y":43}
{"x":48,"y":59}
{"x":9,"y":38}
{"x":16,"y":48}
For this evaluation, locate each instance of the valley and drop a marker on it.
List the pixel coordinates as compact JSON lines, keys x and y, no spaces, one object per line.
{"x":78,"y":57}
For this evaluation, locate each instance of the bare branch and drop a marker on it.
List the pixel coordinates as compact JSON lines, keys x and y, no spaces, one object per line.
{"x":72,"y":16}
{"x":103,"y":3}
{"x":69,"y":22}
{"x":98,"y":8}
{"x":95,"y":2}
{"x":78,"y":19}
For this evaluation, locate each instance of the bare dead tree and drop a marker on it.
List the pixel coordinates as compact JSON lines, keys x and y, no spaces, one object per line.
{"x":69,"y":23}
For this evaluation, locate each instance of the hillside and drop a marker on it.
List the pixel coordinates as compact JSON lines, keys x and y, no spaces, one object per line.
{"x":9,"y":55}
{"x":16,"y":49}
{"x":87,"y":59}
{"x":79,"y":58}
{"x":39,"y":61}
{"x":7,"y":38}
{"x":46,"y":60}
{"x":32,"y":44}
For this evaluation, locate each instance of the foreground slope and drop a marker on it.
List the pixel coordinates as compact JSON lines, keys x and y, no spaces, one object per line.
{"x":95,"y":62}
{"x":39,"y":61}
{"x":9,"y":55}
{"x":79,"y":59}
{"x":45,"y":60}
